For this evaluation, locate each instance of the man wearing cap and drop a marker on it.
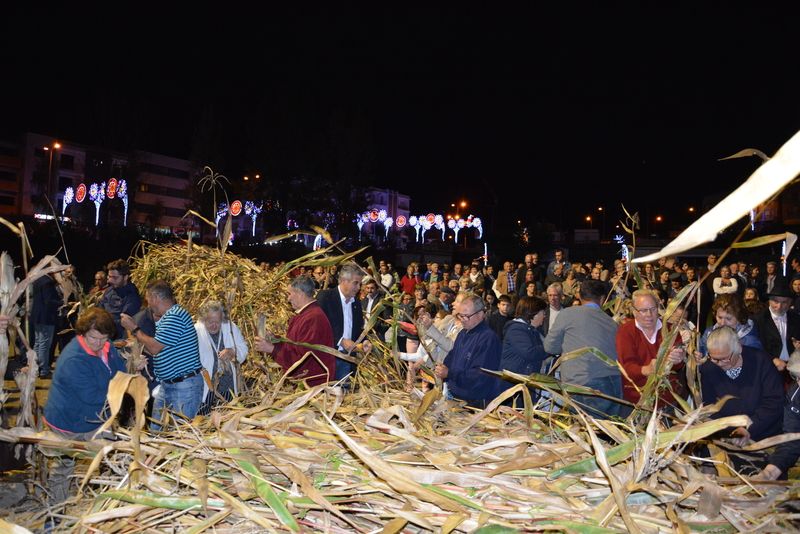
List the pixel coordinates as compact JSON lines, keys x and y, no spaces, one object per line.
{"x":778,"y":328}
{"x":446,"y":297}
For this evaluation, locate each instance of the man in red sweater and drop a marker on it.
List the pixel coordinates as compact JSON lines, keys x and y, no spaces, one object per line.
{"x":309,"y":325}
{"x":638,"y":342}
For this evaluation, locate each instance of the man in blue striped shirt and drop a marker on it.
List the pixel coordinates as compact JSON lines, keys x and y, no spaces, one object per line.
{"x":176,"y":357}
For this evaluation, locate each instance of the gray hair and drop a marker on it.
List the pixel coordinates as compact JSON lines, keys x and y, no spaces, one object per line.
{"x":793,"y":365}
{"x":161,"y":289}
{"x":304,"y":284}
{"x":646,"y":293}
{"x":348,"y":272}
{"x":475,"y":301}
{"x":723,"y":338}
{"x":557,"y":287}
{"x":212,"y":305}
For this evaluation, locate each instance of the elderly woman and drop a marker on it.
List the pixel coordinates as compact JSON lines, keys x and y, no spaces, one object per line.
{"x":730,"y":310}
{"x":221,"y":346}
{"x":748,"y":375}
{"x":76,"y":403}
{"x":523,"y":342}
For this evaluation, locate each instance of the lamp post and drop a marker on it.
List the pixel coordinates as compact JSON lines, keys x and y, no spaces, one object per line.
{"x":50,"y":167}
{"x":603,"y":227}
{"x":589,"y":220}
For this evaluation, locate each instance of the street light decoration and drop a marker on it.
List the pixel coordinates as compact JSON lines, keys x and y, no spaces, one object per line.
{"x":80,"y":194}
{"x":69,"y":195}
{"x":122,"y":192}
{"x":252,"y":209}
{"x":111,"y":190}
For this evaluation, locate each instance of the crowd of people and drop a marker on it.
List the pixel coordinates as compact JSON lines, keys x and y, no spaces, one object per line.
{"x":456,"y":322}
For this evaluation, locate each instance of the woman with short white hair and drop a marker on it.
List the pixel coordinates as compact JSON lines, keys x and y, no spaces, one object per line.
{"x":222,"y":348}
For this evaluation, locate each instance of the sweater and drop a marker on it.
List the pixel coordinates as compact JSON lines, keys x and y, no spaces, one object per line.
{"x":309,"y":326}
{"x":757,"y":392}
{"x":78,"y":392}
{"x":523,"y":349}
{"x":634,"y":352}
{"x":474,"y":349}
{"x":579,"y":327}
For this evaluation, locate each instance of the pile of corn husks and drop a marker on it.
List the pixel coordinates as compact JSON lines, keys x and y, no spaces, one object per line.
{"x":379,"y":459}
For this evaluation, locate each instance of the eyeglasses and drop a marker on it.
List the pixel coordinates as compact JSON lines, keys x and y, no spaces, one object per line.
{"x":721,"y":360}
{"x":464,"y":317}
{"x":646,"y":311}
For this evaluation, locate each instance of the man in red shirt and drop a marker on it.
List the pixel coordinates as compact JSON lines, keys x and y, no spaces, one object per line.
{"x":309,"y":325}
{"x":638,"y":342}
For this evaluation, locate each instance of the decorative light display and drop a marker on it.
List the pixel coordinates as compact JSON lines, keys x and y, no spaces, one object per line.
{"x":620,"y":239}
{"x":401,"y":221}
{"x":236,"y":208}
{"x":69,"y":194}
{"x":111,"y":190}
{"x":420,"y":223}
{"x":387,"y":224}
{"x":221,"y":212}
{"x":414,"y":222}
{"x":252,"y":209}
{"x":783,"y":256}
{"x":752,"y":220}
{"x":122,"y":192}
{"x":96,"y":194}
{"x":80,"y":194}
{"x":361,"y":221}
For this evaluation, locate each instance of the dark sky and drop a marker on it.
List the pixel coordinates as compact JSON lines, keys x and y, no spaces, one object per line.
{"x":555,"y":108}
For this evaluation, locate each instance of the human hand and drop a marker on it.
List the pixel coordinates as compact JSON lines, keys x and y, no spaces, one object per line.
{"x":127,"y":321}
{"x":769,"y":473}
{"x":780,"y":364}
{"x":796,"y":345}
{"x":650,"y":368}
{"x":425,"y":320}
{"x":262,"y":345}
{"x":698,"y":356}
{"x":348,"y":344}
{"x":741,"y":437}
{"x":440,"y":371}
{"x":677,"y":355}
{"x":367,"y":346}
{"x":227,"y":354}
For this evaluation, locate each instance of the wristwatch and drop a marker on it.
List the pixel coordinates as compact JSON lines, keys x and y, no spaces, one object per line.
{"x":133,"y":332}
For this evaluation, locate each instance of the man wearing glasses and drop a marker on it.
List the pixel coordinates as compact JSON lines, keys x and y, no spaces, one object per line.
{"x":584,"y":326}
{"x":476,"y":347}
{"x":638,"y":342}
{"x":748,"y":376}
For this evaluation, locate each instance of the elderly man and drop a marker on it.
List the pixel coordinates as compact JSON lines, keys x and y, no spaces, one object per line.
{"x":584,"y":326}
{"x":557,"y":277}
{"x":746,"y":375}
{"x":555,"y":301}
{"x":309,"y":325}
{"x":505,"y":284}
{"x":433,"y":275}
{"x":446,"y":298}
{"x":638,"y":342}
{"x":786,"y":454}
{"x":343,"y":309}
{"x":176,"y":356}
{"x":778,"y":327}
{"x":477,"y":347}
{"x":122,"y":297}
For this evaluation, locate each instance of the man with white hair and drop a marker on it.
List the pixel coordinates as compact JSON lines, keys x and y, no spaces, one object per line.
{"x":638,"y":342}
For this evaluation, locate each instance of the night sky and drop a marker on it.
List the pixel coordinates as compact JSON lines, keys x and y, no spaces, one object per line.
{"x":554,"y":108}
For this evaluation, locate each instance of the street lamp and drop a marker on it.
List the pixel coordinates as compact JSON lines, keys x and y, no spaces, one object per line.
{"x":603,"y":227}
{"x":56,"y":146}
{"x":589,"y":219}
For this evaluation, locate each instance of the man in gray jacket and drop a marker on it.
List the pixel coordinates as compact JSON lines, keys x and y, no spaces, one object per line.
{"x":584,"y":326}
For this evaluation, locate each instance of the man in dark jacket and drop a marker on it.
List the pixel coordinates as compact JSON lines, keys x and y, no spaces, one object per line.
{"x":342,"y":307}
{"x":786,"y":454}
{"x":778,"y":327}
{"x":476,"y":348}
{"x":122,"y":296}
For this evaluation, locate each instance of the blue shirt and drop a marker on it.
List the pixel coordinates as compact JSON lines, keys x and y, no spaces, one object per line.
{"x":474,"y":349}
{"x":180,"y":355}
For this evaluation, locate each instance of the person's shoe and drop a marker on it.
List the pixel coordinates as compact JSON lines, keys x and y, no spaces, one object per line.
{"x":46,"y":376}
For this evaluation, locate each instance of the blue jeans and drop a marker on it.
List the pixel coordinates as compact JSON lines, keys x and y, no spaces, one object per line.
{"x":42,"y":339}
{"x":343,"y":369}
{"x":599,"y":407}
{"x":184,"y":398}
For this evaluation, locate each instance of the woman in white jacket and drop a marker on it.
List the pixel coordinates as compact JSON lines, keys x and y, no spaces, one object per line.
{"x":222,"y":348}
